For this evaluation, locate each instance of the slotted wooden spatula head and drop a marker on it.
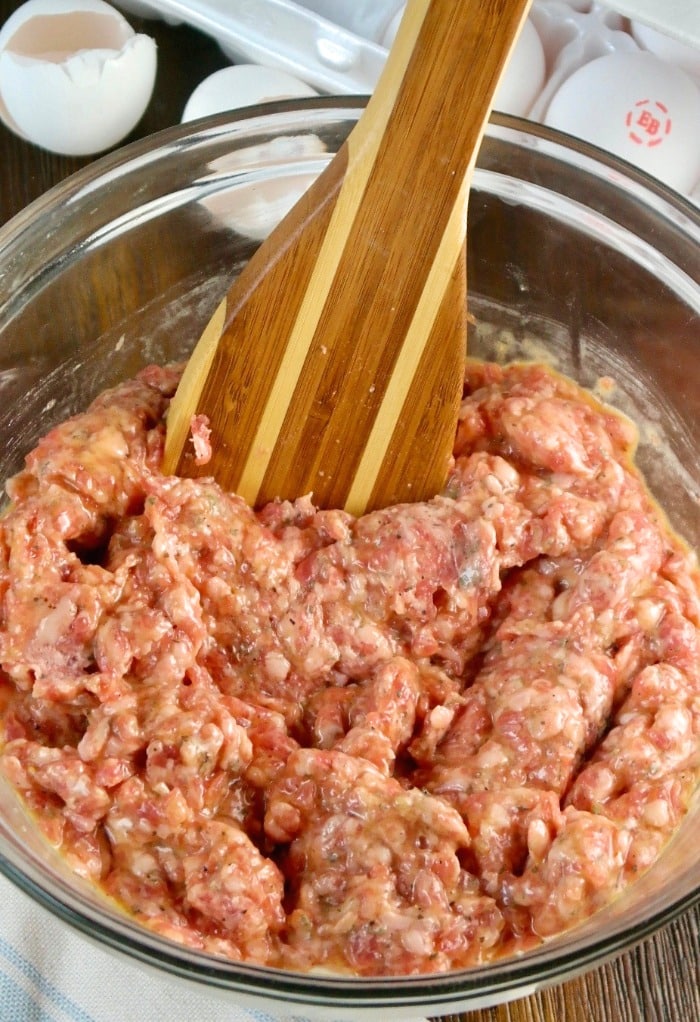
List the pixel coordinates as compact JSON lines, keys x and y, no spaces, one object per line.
{"x":334,"y":365}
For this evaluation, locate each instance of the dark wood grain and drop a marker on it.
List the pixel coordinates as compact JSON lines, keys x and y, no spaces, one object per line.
{"x":659,"y":981}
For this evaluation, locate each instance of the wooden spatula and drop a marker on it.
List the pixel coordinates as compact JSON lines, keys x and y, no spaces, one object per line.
{"x":334,"y":365}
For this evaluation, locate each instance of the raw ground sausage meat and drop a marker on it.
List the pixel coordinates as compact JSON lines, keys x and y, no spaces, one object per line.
{"x":406,"y":743}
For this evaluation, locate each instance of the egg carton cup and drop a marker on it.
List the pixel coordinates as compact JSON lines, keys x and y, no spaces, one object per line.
{"x":573,"y":35}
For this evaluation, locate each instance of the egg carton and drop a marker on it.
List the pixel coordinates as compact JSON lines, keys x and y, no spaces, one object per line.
{"x":340,"y":46}
{"x":333,"y":45}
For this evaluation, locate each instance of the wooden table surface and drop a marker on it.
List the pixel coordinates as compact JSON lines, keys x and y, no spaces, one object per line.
{"x":655,"y":982}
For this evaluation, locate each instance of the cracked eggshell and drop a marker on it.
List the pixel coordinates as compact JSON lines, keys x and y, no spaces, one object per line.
{"x":74,"y":77}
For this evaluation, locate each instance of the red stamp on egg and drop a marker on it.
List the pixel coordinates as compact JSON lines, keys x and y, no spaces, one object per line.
{"x":648,"y":122}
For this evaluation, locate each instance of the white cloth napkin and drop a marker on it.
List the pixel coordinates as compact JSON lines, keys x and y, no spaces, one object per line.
{"x":50,"y":973}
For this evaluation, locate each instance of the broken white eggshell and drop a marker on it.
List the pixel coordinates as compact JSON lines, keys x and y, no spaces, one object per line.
{"x":242,"y":85}
{"x":74,"y":76}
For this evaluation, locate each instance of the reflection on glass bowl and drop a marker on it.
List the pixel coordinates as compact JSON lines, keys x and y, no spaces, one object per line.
{"x":571,"y":255}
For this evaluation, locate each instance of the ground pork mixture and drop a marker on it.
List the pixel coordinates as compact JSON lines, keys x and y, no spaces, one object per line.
{"x":404,"y":743}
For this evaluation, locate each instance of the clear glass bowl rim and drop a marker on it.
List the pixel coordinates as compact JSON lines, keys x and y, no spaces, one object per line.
{"x":498,"y":981}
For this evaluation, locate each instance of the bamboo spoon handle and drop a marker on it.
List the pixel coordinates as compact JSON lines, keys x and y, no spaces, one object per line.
{"x":334,"y":364}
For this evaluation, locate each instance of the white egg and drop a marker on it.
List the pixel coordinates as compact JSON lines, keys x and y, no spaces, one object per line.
{"x":524,"y":76}
{"x":256,"y":205}
{"x":260,"y":205}
{"x":637,"y":107}
{"x":681,"y":54}
{"x":392,"y":28}
{"x":74,"y":77}
{"x":242,"y":85}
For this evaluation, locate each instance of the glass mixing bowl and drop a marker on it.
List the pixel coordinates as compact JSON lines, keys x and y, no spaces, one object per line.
{"x":572,"y":257}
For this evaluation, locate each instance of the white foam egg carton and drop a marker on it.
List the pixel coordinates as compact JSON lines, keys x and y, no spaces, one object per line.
{"x":333,"y":45}
{"x":624,"y":75}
